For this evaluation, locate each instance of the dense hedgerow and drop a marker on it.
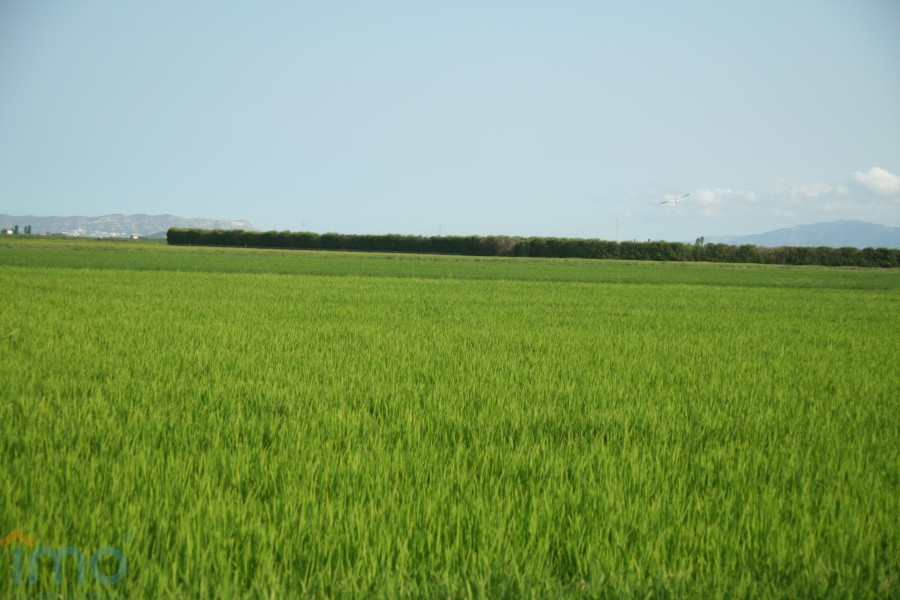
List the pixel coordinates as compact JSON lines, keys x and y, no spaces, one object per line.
{"x":542,"y":247}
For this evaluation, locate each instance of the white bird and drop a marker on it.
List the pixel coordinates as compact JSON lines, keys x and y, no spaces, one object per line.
{"x":676,"y":200}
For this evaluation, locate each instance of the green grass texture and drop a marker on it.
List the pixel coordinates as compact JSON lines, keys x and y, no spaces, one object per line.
{"x":259,"y":423}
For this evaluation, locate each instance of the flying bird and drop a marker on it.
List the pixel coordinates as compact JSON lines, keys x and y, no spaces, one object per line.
{"x":676,"y":200}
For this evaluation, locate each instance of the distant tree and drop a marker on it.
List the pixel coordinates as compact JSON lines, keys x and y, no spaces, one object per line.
{"x":700,"y":241}
{"x":15,"y":229}
{"x":28,"y":230}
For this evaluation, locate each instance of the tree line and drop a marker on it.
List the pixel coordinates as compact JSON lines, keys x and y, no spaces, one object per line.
{"x":541,"y":247}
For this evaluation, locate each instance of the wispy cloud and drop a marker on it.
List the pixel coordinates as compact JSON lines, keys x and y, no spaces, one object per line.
{"x":864,"y":195}
{"x":809,"y":191}
{"x":872,"y":195}
{"x":878,"y":182}
{"x":710,"y":199}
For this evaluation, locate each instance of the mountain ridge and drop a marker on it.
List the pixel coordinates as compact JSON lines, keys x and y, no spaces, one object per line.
{"x":833,"y":234}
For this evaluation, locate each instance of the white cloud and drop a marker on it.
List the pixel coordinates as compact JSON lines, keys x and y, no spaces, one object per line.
{"x":873,"y":195}
{"x":707,"y":197}
{"x":710,"y":198}
{"x":878,"y":181}
{"x":862,"y":195}
{"x":809,"y":191}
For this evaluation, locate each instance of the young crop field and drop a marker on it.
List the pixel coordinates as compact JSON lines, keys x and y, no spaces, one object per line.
{"x":201,"y":422}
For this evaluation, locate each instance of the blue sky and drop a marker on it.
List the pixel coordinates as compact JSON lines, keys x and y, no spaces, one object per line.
{"x":523,"y":118}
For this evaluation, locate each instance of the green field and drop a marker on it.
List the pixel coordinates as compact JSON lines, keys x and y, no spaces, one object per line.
{"x":283,"y":423}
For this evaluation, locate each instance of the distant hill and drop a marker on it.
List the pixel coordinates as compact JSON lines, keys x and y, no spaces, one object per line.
{"x":834,"y":234}
{"x":116,"y":225}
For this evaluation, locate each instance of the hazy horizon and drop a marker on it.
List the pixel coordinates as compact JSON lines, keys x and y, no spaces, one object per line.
{"x":420,"y":118}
